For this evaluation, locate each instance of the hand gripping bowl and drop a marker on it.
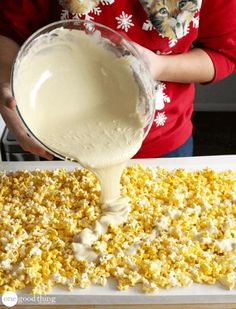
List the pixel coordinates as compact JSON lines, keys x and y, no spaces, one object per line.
{"x":114,"y":42}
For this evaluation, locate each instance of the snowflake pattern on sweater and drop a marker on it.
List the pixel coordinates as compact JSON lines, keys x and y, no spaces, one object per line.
{"x":124,"y":21}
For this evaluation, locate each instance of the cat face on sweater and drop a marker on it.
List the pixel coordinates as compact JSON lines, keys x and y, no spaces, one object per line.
{"x":79,"y":6}
{"x":171,"y":17}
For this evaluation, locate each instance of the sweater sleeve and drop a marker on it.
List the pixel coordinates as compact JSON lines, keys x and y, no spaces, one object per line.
{"x":19,"y":19}
{"x":217,"y":35}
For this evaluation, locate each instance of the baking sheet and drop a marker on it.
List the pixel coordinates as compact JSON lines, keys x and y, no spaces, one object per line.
{"x":109,"y":294}
{"x":216,"y":162}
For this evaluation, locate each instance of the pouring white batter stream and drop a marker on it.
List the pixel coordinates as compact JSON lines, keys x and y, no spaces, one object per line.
{"x":80,"y":100}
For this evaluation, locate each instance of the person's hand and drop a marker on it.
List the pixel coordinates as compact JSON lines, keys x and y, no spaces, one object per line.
{"x":194,"y":66}
{"x":152,"y":60}
{"x":15,"y":125}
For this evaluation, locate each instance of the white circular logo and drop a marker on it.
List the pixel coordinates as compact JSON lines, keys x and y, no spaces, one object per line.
{"x":9,"y":299}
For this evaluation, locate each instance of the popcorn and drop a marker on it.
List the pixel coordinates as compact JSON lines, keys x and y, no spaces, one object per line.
{"x":35,"y":250}
{"x":229,"y":280}
{"x":181,"y":229}
{"x":226,"y":244}
{"x":149,"y":287}
{"x":6,"y":264}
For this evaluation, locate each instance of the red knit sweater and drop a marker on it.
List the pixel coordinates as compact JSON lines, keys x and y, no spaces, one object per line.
{"x":212,"y":27}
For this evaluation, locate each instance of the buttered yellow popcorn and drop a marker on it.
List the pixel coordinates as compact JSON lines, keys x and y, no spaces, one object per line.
{"x":181,"y":229}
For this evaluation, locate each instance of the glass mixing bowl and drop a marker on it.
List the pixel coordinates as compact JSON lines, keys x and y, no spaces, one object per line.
{"x":114,"y":42}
